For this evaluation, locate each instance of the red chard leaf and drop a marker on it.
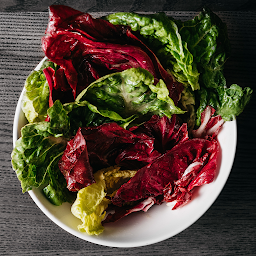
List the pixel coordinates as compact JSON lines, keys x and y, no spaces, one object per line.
{"x":74,"y":164}
{"x":105,"y":142}
{"x":210,"y":124}
{"x":167,"y":169}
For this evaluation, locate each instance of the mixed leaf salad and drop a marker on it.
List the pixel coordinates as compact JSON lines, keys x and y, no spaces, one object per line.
{"x":125,"y":111}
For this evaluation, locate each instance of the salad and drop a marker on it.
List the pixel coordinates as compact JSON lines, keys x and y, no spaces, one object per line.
{"x":124,"y":112}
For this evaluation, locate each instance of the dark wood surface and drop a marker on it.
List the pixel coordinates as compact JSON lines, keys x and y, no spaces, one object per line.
{"x":129,"y":5}
{"x":227,"y":228}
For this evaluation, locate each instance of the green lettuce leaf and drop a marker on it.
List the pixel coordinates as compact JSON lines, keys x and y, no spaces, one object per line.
{"x":37,"y":152}
{"x":162,"y":35}
{"x":228,"y":102}
{"x":233,"y":101}
{"x":127,"y":95}
{"x":207,"y":39}
{"x":90,"y":206}
{"x":59,"y":120}
{"x":35,"y":101}
{"x":184,"y":47}
{"x":84,"y":114}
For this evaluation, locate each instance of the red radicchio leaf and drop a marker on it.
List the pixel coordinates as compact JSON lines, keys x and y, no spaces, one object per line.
{"x":105,"y":142}
{"x":60,"y":81}
{"x":58,"y":86}
{"x":166,"y":131}
{"x":120,"y":212}
{"x":62,"y":17}
{"x":202,"y":170}
{"x":49,"y":73}
{"x":210,"y":125}
{"x":156,"y":135}
{"x":152,"y":179}
{"x":181,"y":196}
{"x":74,"y":164}
{"x":58,"y":15}
{"x":138,"y":154}
{"x":62,"y":48}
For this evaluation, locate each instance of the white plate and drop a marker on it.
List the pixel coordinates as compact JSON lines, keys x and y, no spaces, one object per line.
{"x":160,"y":222}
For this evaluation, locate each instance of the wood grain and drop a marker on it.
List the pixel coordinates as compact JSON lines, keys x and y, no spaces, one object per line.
{"x":128,"y":5}
{"x":227,"y":228}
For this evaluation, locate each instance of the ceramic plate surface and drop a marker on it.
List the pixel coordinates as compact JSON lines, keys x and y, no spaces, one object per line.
{"x":160,"y":222}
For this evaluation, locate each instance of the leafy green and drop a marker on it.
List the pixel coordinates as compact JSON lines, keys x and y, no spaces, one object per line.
{"x":37,"y":152}
{"x":59,"y":120}
{"x":162,"y":35}
{"x":208,"y":41}
{"x":35,"y":101}
{"x":83,"y":115}
{"x":90,"y":206}
{"x":228,"y":102}
{"x":184,"y":47}
{"x":127,"y":95}
{"x":233,"y":101}
{"x":194,"y":51}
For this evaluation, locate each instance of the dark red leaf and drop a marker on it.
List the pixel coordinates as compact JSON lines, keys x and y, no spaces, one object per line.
{"x":49,"y":73}
{"x":105,"y":142}
{"x":210,"y":124}
{"x":152,"y":179}
{"x":120,"y":212}
{"x":166,"y":132}
{"x":58,"y":86}
{"x":74,"y":164}
{"x":138,"y":154}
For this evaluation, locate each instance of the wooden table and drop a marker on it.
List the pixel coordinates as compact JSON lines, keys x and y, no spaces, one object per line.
{"x":227,"y":228}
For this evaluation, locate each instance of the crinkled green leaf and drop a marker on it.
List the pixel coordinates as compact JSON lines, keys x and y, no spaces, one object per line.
{"x":162,"y":35}
{"x":84,"y":114}
{"x":59,"y":120}
{"x":92,"y":222}
{"x":80,"y":115}
{"x":35,"y":101}
{"x":207,"y":39}
{"x":228,"y":102}
{"x":233,"y":101}
{"x":129,"y":94}
{"x":187,"y":103}
{"x":56,"y":191}
{"x":88,"y":198}
{"x":36,"y":155}
{"x":33,"y":155}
